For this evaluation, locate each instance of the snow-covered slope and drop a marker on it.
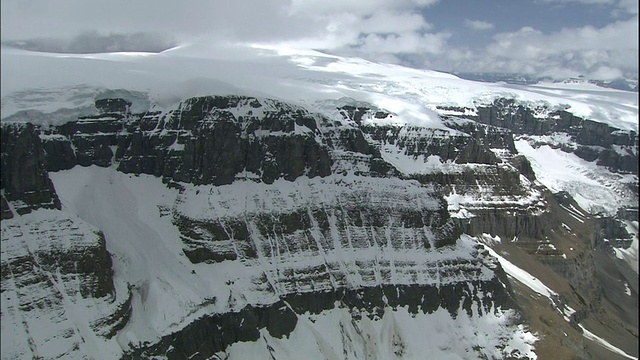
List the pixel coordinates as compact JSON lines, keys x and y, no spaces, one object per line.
{"x":306,"y":77}
{"x":596,"y":189}
{"x":170,"y":292}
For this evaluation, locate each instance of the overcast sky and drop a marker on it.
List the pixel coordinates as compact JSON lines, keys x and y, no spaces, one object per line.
{"x":558,"y":38}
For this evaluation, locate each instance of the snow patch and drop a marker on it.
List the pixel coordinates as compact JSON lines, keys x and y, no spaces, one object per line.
{"x":335,"y":334}
{"x":593,"y":187}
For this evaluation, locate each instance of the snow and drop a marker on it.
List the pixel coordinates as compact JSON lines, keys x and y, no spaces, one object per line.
{"x":411,"y":164}
{"x":593,"y":187}
{"x":43,"y":312}
{"x":537,"y":286}
{"x":245,"y":197}
{"x":334,"y":334}
{"x":298,"y":76}
{"x":522,"y":276}
{"x":170,"y":292}
{"x":591,"y":336}
{"x":630,"y":255}
{"x":146,"y":249}
{"x":134,"y":214}
{"x":463,"y":200}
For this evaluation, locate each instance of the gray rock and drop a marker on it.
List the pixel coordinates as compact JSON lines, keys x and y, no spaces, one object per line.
{"x":24,"y":179}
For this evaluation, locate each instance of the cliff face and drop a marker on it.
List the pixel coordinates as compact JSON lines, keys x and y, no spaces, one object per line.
{"x":57,"y":276}
{"x":204,"y":141}
{"x":612,"y":148}
{"x":24,"y":178}
{"x":252,"y":219}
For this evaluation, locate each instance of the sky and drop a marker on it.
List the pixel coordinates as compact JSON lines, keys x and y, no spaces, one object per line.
{"x":597,"y":39}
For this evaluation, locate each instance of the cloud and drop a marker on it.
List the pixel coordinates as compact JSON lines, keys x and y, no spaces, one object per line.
{"x":93,"y":42}
{"x":618,"y":8}
{"x":326,"y":24}
{"x":584,"y":49}
{"x":626,"y":7}
{"x":394,"y":31}
{"x":606,"y":73}
{"x":240,"y":19}
{"x":404,"y":43}
{"x":377,"y":30}
{"x":356,"y":7}
{"x":478,"y":25}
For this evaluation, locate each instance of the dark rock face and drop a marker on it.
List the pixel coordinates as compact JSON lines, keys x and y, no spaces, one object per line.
{"x":50,"y":243}
{"x":212,"y":334}
{"x":49,"y":260}
{"x":596,"y":141}
{"x":219,"y":140}
{"x":357,"y":113}
{"x":201,"y":142}
{"x":317,"y":229}
{"x":108,"y":106}
{"x":517,"y":223}
{"x":489,"y":136}
{"x":622,"y":163}
{"x":461,"y":148}
{"x":522,"y":164}
{"x":24,"y":180}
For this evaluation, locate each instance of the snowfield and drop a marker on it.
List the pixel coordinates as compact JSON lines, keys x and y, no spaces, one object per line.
{"x":397,"y":335}
{"x":48,"y":82}
{"x":595,"y":189}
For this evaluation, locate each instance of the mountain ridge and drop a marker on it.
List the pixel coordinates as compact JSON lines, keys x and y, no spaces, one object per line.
{"x":357,"y":155}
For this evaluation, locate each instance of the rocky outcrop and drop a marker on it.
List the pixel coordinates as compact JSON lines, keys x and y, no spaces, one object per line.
{"x":113,"y":105}
{"x":208,"y":140}
{"x":319,"y":213}
{"x":360,"y":113}
{"x":611,"y":147}
{"x":25,"y":182}
{"x":213,"y":334}
{"x":57,"y":275}
{"x":459,"y":148}
{"x":53,"y":266}
{"x":385,"y":214}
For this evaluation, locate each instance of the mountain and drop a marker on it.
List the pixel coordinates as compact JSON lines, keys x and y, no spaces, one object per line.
{"x":525,"y":79}
{"x":295,"y":204}
{"x":509,"y":78}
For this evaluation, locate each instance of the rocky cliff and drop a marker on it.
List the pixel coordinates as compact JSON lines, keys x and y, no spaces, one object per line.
{"x":236,"y":219}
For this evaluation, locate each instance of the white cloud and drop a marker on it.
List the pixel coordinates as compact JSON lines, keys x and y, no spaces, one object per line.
{"x":584,"y":49}
{"x":626,"y":7}
{"x":356,"y":7}
{"x":478,"y":25}
{"x":389,"y":22}
{"x":68,"y":18}
{"x":384,"y":30}
{"x":605,"y":73}
{"x":619,"y":7}
{"x":325,"y":24}
{"x":404,"y":43}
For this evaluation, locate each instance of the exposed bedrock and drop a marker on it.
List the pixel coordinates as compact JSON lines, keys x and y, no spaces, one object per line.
{"x":24,"y":180}
{"x":212,"y":334}
{"x":611,"y":147}
{"x":315,"y":208}
{"x":52,"y":263}
{"x":201,"y":142}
